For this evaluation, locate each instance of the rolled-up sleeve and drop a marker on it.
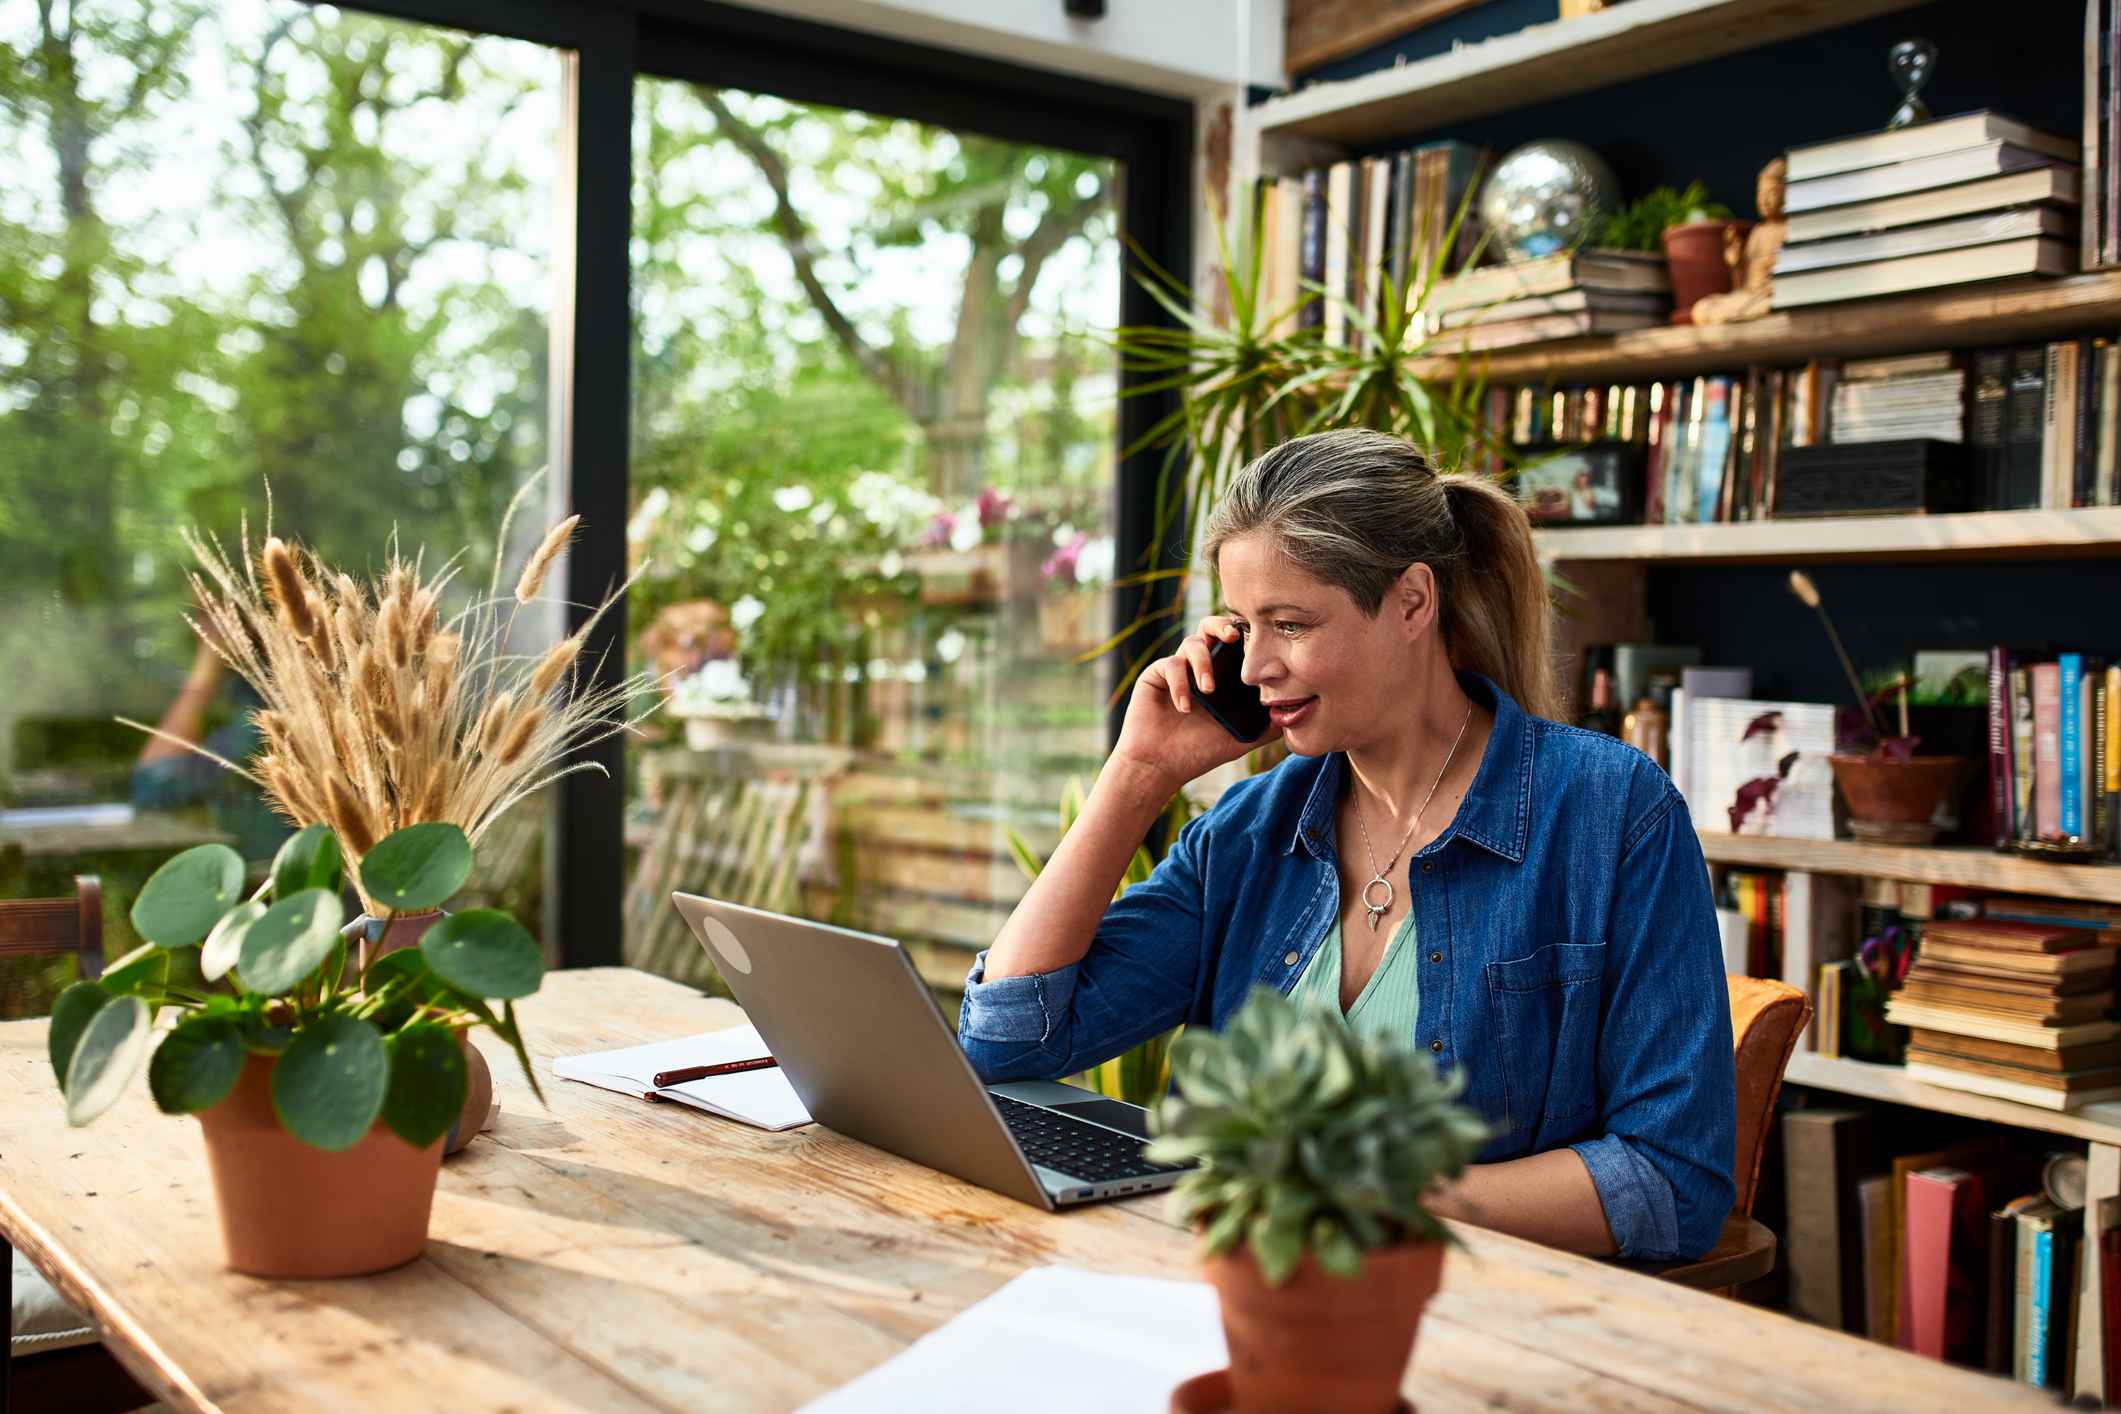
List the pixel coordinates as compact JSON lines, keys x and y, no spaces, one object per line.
{"x":1665,"y":1072}
{"x":1138,"y":980}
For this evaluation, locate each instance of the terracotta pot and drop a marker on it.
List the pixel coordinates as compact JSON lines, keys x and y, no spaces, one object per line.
{"x":1321,"y":1344}
{"x":378,"y":937}
{"x":1893,"y":802}
{"x":290,"y":1210}
{"x":1693,"y":257}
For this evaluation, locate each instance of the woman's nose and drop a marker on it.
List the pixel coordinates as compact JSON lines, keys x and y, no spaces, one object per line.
{"x":1256,"y":666}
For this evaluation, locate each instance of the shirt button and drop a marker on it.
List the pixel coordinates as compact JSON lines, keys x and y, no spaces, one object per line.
{"x":1436,"y":957}
{"x":1435,"y":1045}
{"x":1288,"y":960}
{"x":1428,"y":866}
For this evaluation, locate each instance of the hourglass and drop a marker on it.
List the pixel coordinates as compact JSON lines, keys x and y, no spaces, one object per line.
{"x":1910,"y":63}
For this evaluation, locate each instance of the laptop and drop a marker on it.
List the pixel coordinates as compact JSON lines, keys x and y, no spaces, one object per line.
{"x":861,"y":1040}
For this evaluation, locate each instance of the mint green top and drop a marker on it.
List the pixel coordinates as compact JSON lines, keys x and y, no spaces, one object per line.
{"x":1390,"y":1001}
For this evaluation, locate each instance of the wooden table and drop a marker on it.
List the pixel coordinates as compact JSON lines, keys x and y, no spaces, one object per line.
{"x":610,"y":1254}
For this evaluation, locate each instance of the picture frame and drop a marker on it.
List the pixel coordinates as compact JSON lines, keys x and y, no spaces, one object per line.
{"x":1582,"y":483}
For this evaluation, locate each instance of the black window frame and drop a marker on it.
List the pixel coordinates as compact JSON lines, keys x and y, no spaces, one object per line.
{"x":614,"y":42}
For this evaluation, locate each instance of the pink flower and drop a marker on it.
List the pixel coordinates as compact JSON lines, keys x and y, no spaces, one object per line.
{"x":1061,"y":563}
{"x":937,"y":535}
{"x":994,"y":507}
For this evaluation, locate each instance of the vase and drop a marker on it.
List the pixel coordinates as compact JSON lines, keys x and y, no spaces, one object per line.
{"x":289,"y":1209}
{"x":371,"y":938}
{"x":1895,"y":802}
{"x":1318,"y":1343}
{"x":1693,"y":257}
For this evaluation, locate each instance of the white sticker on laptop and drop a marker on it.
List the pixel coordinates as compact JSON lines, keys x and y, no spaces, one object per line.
{"x":725,"y":943}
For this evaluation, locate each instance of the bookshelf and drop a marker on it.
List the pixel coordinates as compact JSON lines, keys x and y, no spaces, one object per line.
{"x":1546,"y":61}
{"x":1976,"y":535}
{"x":1919,"y":864}
{"x":2098,"y":1123}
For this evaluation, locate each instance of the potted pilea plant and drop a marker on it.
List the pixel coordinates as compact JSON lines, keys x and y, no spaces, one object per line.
{"x":325,"y":1091}
{"x":1316,"y":1148}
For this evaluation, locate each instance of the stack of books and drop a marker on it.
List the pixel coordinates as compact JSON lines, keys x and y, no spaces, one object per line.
{"x":1894,"y":399}
{"x":2054,"y":748}
{"x":1564,"y":296}
{"x":1976,"y":197}
{"x":2015,"y":1010}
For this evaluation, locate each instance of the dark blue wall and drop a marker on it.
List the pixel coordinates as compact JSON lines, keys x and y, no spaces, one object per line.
{"x":1720,"y":121}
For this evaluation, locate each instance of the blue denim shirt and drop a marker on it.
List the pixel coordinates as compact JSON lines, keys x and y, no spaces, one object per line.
{"x":1571,"y":964}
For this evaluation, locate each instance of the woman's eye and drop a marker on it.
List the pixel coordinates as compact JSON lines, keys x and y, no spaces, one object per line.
{"x":1287,"y":629}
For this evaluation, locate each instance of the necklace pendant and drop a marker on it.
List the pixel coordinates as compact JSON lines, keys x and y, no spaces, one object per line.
{"x":1375,"y":914}
{"x":1376,"y":909}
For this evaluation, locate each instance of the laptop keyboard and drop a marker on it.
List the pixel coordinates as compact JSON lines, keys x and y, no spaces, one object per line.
{"x":1076,"y":1147}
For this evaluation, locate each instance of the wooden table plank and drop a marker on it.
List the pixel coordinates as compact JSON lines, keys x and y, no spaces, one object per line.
{"x":609,"y":1253}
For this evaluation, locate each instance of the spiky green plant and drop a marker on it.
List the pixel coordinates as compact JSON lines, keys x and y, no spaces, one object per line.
{"x":1310,"y":1137}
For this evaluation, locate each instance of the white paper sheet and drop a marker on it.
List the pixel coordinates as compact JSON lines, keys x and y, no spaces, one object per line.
{"x":1056,"y":1340}
{"x":760,"y":1097}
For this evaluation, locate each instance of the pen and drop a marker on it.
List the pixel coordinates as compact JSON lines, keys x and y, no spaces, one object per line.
{"x":701,"y":1072}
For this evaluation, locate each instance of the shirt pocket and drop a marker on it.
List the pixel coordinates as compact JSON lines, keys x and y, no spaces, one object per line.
{"x":1545,"y":1012}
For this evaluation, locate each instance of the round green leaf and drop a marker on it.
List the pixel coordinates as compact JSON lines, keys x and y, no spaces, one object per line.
{"x":196,"y":1065}
{"x":428,"y":1081}
{"x":484,"y":952}
{"x":329,"y":1085}
{"x":309,"y":860}
{"x":183,"y":898}
{"x":224,"y":945}
{"x":145,"y":968}
{"x":105,"y":1058}
{"x":284,"y":946}
{"x":71,"y":1013}
{"x":417,"y":867}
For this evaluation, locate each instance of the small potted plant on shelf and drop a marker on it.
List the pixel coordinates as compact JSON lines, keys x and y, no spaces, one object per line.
{"x":1892,"y":793}
{"x":1317,"y":1147}
{"x":1692,"y":231}
{"x":1075,"y":612}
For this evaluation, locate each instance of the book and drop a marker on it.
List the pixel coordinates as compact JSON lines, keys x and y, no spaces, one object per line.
{"x":1314,"y":245}
{"x":1999,"y":729}
{"x":2089,"y":1056}
{"x":1875,"y":1223}
{"x":758,"y":1097}
{"x":2055,"y":917}
{"x":1588,"y":268}
{"x":1983,"y":229}
{"x":2058,"y":425}
{"x":1946,"y":1273}
{"x":2060,"y":1082}
{"x":2057,"y":185}
{"x":1903,"y":1012}
{"x":2022,"y":752}
{"x":1993,"y":999}
{"x":2016,"y":934}
{"x":1339,"y":224}
{"x":1538,"y":328}
{"x":1825,"y":1152}
{"x":1939,"y":135}
{"x":2112,"y":789}
{"x":1988,"y":394}
{"x":2002,"y":1342}
{"x":2033,"y":256}
{"x":2047,"y":750}
{"x":2020,"y":483}
{"x":1938,"y":169}
{"x":2093,"y":962}
{"x":1997,"y":1088}
{"x":2069,"y":676}
{"x":2089,"y":247}
{"x":1562,"y":302}
{"x":1965,"y":1155}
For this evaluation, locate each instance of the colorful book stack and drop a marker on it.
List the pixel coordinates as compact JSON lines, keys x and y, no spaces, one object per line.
{"x":1891,"y":399}
{"x":1346,"y":228}
{"x":2054,"y":754}
{"x":2016,"y":1010}
{"x":1564,"y":296}
{"x":1975,"y":197}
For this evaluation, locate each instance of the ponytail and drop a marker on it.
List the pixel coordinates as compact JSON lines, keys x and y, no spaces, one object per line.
{"x":1498,"y":619}
{"x":1354,"y":508}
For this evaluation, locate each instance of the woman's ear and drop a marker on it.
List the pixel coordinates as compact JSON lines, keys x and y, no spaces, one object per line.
{"x":1413,"y":597}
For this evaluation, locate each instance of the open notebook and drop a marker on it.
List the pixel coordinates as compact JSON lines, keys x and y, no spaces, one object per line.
{"x":760,"y":1097}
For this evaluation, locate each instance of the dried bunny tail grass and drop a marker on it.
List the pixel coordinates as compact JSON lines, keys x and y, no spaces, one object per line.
{"x":487,"y":735}
{"x":289,"y":589}
{"x":516,"y":740}
{"x":508,"y":516}
{"x":433,"y":803}
{"x":350,"y":818}
{"x":553,"y":665}
{"x":541,"y":559}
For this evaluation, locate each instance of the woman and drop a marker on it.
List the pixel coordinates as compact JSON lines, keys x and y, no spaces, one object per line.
{"x":1436,"y":859}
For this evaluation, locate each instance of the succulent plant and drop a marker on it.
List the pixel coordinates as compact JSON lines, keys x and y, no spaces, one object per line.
{"x":1310,"y":1137}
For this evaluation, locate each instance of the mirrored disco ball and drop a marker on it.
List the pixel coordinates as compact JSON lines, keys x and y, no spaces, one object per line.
{"x":1544,"y":197}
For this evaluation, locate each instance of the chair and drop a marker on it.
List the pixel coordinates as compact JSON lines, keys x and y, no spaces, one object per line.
{"x":1767,"y":1017}
{"x":54,"y":1359}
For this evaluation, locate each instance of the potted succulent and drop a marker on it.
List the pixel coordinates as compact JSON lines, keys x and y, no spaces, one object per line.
{"x":1893,"y":794}
{"x":325,"y":1092}
{"x":1316,"y":1148}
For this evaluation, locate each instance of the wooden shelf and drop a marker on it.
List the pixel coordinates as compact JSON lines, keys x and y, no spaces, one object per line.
{"x":1546,"y":61}
{"x":1976,"y":868}
{"x":2100,"y":1123}
{"x":1979,"y":535}
{"x":2000,"y":312}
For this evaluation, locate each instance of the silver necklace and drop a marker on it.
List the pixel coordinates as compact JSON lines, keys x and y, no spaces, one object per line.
{"x":1378,"y":910}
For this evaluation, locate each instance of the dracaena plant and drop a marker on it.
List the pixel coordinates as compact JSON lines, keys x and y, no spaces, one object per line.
{"x":352,"y":1046}
{"x":1310,"y":1138}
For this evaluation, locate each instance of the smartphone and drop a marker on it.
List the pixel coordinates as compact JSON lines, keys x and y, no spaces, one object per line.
{"x":1235,"y":702}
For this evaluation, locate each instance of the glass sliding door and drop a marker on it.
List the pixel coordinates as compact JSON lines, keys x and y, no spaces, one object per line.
{"x":256,"y":242}
{"x":873,"y":491}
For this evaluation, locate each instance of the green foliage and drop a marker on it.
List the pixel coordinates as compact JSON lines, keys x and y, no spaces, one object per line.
{"x":385,"y":1047}
{"x":181,"y":900}
{"x":1640,"y":225}
{"x":1310,"y":1137}
{"x":417,"y":868}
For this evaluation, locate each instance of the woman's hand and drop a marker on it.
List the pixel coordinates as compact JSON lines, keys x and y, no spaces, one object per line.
{"x":1167,"y":731}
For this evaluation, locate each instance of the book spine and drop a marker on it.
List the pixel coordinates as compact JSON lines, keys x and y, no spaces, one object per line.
{"x":2070,"y":724}
{"x":2052,"y":421}
{"x":2037,"y":1331}
{"x":2084,"y":438}
{"x":2092,"y":223}
{"x":2095,"y":760}
{"x":1999,"y":746}
{"x":1930,"y":1200}
{"x":2028,"y":393}
{"x":2022,"y":735}
{"x":2113,"y":762}
{"x":2022,"y":1301}
{"x":1991,"y":397}
{"x":2047,"y":750}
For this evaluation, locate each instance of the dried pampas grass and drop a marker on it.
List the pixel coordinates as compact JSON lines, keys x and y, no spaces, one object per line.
{"x":380,"y":712}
